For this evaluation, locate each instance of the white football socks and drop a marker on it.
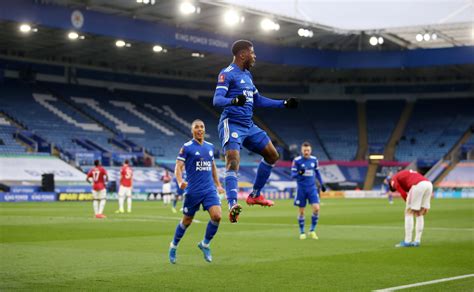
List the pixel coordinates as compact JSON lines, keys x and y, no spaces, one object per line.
{"x":129,"y":204}
{"x":408,"y":227}
{"x":102,"y":206}
{"x":420,"y":224}
{"x":121,"y":203}
{"x":95,"y":205}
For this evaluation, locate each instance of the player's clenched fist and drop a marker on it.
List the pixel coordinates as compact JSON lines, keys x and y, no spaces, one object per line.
{"x":239,"y":100}
{"x":291,"y":103}
{"x":220,"y":190}
{"x":183,"y":185}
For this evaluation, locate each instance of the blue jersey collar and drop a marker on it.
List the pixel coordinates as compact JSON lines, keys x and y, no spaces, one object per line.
{"x":238,"y":68}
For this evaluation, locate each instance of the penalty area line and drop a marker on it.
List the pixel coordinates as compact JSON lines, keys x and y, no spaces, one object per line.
{"x":424,"y":283}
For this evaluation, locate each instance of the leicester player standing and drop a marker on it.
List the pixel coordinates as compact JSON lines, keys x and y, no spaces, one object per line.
{"x":236,"y":93}
{"x":197,"y":158}
{"x":305,"y":168}
{"x":97,"y":176}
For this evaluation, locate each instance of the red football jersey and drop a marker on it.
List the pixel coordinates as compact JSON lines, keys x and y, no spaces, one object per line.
{"x":99,"y":175}
{"x":166,"y":178}
{"x":126,"y":176}
{"x":405,"y":179}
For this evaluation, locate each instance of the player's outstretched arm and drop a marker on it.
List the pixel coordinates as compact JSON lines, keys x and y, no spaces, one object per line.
{"x":262,"y":101}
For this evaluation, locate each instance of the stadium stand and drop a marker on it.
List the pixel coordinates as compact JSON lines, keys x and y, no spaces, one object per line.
{"x":8,"y":145}
{"x":294,"y":129}
{"x":434,"y":127}
{"x":382,"y":117}
{"x":336,"y":124}
{"x":461,"y":175}
{"x":158,"y":122}
{"x":49,"y":118}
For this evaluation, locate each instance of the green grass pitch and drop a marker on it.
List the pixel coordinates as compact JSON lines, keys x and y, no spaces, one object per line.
{"x":59,"y":246}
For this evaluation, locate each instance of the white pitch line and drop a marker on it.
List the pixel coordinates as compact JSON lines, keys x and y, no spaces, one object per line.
{"x":157,"y":218}
{"x":424,"y":283}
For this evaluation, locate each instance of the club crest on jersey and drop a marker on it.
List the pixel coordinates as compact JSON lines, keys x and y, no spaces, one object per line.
{"x":211,"y":153}
{"x":234,"y":135}
{"x":221,"y":78}
{"x":312,"y":164}
{"x":242,"y":81}
{"x":197,"y":153}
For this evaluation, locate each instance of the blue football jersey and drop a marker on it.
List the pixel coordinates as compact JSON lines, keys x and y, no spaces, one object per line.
{"x":198,"y":160}
{"x":236,"y":82}
{"x":310,"y":165}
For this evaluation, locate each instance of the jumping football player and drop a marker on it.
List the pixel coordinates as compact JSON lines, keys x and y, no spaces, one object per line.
{"x":197,"y":158}
{"x":416,"y":190}
{"x":125,"y":189}
{"x":305,"y":168}
{"x":236,"y":93}
{"x":97,"y":176}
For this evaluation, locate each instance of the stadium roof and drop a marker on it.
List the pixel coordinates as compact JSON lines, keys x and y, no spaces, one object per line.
{"x":52,"y":45}
{"x":366,"y":14}
{"x":453,"y":29}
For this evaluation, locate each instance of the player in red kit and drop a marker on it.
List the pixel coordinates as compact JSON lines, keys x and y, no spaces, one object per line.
{"x":125,"y":189}
{"x":97,"y":176}
{"x":416,"y":190}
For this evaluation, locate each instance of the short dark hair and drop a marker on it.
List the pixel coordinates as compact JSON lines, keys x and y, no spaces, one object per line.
{"x":96,"y":162}
{"x":126,"y":161}
{"x":240,"y":45}
{"x":305,"y":144}
{"x":197,"y":121}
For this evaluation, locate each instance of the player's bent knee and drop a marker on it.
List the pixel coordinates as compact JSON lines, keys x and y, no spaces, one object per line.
{"x":232,"y":164}
{"x":216,"y":217}
{"x":272,"y":158}
{"x":187,"y":221}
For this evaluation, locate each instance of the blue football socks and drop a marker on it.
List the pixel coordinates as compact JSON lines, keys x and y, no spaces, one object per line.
{"x":263,"y":173}
{"x":178,"y":234}
{"x":301,"y":223}
{"x":211,"y":230}
{"x":314,"y":221}
{"x":231,"y":187}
